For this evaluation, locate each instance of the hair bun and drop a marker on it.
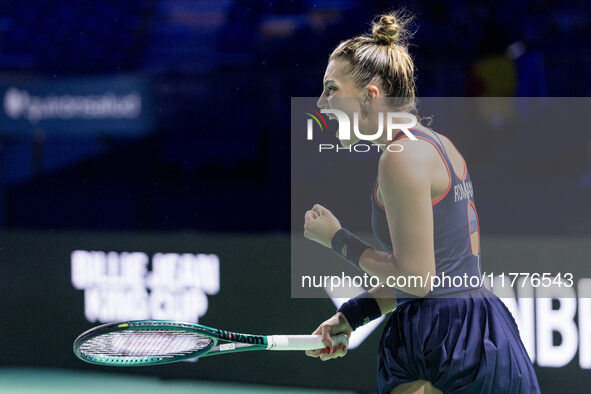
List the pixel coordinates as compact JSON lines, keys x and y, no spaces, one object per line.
{"x":390,"y":28}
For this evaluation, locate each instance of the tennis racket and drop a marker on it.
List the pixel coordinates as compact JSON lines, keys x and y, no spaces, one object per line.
{"x":153,"y":342}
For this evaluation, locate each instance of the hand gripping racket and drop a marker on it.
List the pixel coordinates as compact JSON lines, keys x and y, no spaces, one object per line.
{"x":152,"y":342}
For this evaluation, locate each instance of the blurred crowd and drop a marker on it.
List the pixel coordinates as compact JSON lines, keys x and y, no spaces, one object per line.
{"x":207,"y":57}
{"x":542,"y":41}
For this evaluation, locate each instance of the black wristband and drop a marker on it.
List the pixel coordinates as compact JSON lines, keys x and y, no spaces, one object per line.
{"x":348,"y":246}
{"x":360,"y":310}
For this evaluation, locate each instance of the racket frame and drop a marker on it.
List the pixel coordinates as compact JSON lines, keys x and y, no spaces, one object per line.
{"x":258,"y":342}
{"x":222,"y":341}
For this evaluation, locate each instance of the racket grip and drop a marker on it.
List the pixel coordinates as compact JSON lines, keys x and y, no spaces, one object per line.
{"x":302,"y":342}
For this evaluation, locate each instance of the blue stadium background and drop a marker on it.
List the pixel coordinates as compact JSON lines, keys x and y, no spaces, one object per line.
{"x":223,"y":73}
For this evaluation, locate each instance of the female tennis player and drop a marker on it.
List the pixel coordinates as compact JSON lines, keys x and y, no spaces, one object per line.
{"x":449,"y":338}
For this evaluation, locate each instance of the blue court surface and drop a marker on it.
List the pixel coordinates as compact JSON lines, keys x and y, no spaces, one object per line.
{"x":58,"y":381}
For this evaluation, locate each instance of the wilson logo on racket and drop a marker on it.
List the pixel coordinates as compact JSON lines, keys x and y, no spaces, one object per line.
{"x":235,"y":337}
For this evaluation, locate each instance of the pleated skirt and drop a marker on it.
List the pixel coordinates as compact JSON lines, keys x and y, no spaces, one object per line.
{"x":461,"y":345}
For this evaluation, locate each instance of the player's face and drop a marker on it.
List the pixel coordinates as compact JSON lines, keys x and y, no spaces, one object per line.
{"x":340,"y":92}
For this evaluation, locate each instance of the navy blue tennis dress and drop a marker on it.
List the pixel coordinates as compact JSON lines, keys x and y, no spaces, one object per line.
{"x":464,"y":340}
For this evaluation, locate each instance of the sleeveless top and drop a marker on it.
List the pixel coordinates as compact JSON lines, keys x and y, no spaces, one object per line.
{"x":454,"y":220}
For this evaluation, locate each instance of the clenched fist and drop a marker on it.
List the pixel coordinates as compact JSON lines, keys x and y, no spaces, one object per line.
{"x":320,"y":225}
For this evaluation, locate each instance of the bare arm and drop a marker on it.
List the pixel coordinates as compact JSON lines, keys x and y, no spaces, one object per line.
{"x":383,"y":295}
{"x":405,"y":184}
{"x":405,"y":188}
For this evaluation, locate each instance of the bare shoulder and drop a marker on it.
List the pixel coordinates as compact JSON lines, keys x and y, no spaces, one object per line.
{"x":414,"y":161}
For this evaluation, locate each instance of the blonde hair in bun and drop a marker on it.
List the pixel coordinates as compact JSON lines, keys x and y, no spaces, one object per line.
{"x":382,"y":55}
{"x":391,"y":28}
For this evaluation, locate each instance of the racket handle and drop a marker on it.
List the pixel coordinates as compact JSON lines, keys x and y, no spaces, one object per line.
{"x":302,"y":342}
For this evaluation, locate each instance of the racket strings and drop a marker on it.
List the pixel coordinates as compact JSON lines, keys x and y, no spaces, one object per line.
{"x":145,"y":343}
